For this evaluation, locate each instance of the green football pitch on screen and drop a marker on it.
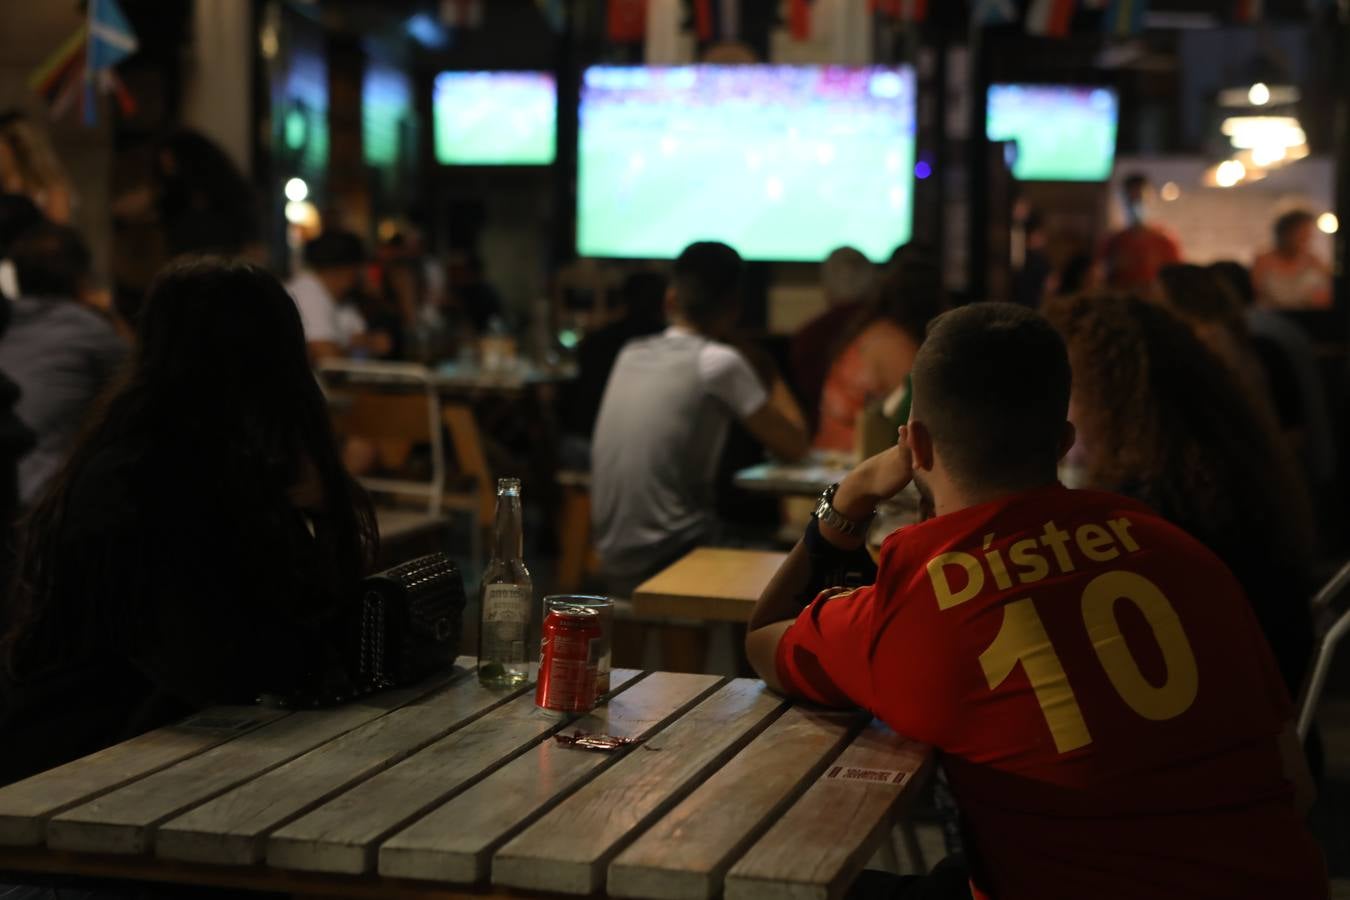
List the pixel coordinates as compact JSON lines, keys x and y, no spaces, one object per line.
{"x":780,"y":162}
{"x":495,"y":118}
{"x":1062,"y":132}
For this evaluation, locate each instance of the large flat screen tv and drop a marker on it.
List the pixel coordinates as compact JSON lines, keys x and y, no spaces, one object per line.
{"x":1062,"y":132}
{"x":780,"y":162}
{"x":495,"y":118}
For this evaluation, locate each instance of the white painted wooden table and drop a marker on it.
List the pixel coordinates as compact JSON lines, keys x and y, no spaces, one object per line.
{"x":451,"y":790}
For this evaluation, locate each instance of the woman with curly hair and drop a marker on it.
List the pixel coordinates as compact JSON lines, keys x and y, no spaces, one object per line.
{"x":1162,"y":419}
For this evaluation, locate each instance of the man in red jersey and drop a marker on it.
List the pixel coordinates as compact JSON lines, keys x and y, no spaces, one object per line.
{"x":1132,"y":257}
{"x":1110,"y":717}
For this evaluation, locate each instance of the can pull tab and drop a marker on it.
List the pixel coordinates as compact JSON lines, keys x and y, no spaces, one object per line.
{"x":602,"y":743}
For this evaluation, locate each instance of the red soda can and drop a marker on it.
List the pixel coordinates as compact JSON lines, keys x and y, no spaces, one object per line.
{"x":569,"y":660}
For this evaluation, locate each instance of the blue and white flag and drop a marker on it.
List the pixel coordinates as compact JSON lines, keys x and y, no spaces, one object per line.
{"x":111,"y":40}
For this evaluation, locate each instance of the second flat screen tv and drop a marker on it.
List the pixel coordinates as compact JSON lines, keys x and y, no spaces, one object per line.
{"x":1062,"y":132}
{"x":495,"y":118}
{"x":780,"y":162}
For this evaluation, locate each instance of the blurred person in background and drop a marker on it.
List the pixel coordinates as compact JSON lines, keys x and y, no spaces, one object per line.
{"x":324,"y":292}
{"x":204,"y":202}
{"x":643,"y":295}
{"x":471,"y":296}
{"x":1291,"y":367}
{"x":1074,"y":277}
{"x":123,"y":617}
{"x":17,"y":215}
{"x":1202,"y":300}
{"x":30,"y":167}
{"x":847,"y":279}
{"x":60,"y":350}
{"x":874,"y":355}
{"x":664,"y":419}
{"x":1161,"y":419}
{"x":1132,"y":257}
{"x":1031,"y":282}
{"x":1290,"y":276}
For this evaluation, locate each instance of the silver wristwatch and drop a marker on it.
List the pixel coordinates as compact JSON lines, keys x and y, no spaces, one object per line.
{"x":825,"y":512}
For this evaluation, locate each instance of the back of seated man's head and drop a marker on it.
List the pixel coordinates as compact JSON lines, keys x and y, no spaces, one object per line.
{"x":50,"y":261}
{"x":847,"y":276}
{"x":991,"y":385}
{"x":336,"y":257}
{"x":705,"y":287}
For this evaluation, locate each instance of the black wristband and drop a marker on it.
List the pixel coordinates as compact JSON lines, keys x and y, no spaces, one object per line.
{"x":832,"y":566}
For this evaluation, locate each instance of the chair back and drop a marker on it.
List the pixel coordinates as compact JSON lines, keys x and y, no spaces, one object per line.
{"x":1332,"y":628}
{"x":467,"y":442}
{"x":394,"y":406}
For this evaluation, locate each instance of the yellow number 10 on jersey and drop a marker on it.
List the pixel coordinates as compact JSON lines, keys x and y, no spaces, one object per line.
{"x":1022,"y":639}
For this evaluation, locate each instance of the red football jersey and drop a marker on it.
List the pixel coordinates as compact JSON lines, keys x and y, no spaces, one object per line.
{"x":1107,"y":709}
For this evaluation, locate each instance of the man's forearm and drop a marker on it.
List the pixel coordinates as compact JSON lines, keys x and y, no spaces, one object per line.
{"x":854,"y":501}
{"x":781,"y":599}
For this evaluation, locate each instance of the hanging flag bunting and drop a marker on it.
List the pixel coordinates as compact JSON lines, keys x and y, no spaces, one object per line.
{"x":663,"y":44}
{"x":462,"y":13}
{"x":627,"y":21}
{"x":799,"y":19}
{"x":554,"y":13}
{"x":1249,"y":10}
{"x":729,"y":19}
{"x":1124,"y":17}
{"x":111,"y":40}
{"x":994,"y":12}
{"x":703,"y":19}
{"x":905,"y":10}
{"x":1050,"y":18}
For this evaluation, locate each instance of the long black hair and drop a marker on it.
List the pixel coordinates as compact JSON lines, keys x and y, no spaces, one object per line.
{"x":218,"y":399}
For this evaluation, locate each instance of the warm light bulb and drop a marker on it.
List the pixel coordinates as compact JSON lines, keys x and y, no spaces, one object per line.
{"x":1229,"y":173}
{"x":1259,"y":95}
{"x":1327,"y":223}
{"x":296,"y":190}
{"x":1170,"y":191}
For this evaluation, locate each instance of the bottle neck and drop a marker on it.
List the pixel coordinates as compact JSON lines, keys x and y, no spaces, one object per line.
{"x":510,"y":533}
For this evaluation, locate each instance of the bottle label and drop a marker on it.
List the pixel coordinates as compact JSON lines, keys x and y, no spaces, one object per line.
{"x":507,"y":608}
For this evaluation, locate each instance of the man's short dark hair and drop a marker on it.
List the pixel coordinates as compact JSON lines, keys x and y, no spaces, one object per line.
{"x":50,"y":261}
{"x":991,"y":383}
{"x":1135,"y":182}
{"x":707,"y":281}
{"x":334,"y":249}
{"x":1291,"y":221}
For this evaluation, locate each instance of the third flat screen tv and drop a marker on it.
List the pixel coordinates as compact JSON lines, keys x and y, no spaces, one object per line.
{"x":1062,"y":132}
{"x":495,"y":118}
{"x":780,"y":162}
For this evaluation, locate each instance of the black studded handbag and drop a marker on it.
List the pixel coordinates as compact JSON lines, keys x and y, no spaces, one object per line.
{"x":411,"y":620}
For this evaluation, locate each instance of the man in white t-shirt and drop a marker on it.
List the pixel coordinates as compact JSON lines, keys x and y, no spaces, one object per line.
{"x":334,"y":327}
{"x":669,"y":403}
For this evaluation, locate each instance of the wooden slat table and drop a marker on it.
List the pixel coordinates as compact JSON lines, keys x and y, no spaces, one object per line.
{"x":710,"y":583}
{"x":450,"y":790}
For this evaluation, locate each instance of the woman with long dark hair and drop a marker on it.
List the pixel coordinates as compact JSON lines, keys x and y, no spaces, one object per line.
{"x":1161,"y":418}
{"x":200,"y":543}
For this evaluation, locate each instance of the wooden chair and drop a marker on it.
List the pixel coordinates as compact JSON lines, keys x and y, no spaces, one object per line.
{"x":476,"y":493}
{"x":1330,"y":636}
{"x":393,"y":408}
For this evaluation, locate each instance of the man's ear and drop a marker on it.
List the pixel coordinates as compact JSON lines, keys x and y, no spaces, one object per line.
{"x":920,"y":442}
{"x":1066,"y":439}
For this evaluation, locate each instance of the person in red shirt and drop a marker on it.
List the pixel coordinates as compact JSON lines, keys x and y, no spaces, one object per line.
{"x":1132,"y":257}
{"x":1110,"y":718}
